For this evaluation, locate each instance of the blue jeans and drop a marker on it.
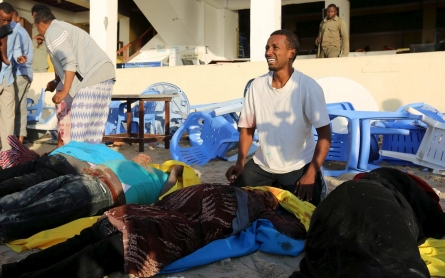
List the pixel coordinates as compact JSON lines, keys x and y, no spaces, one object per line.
{"x":50,"y":204}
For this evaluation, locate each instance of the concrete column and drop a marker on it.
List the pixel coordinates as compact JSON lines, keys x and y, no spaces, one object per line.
{"x":265,"y":17}
{"x":103,"y":25}
{"x":429,"y":22}
{"x":344,"y":12}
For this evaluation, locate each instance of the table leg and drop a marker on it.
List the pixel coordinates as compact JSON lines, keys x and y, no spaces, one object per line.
{"x":167,"y":124}
{"x":365,"y":144}
{"x":129,"y":118}
{"x":141,"y":125}
{"x":354,"y":130}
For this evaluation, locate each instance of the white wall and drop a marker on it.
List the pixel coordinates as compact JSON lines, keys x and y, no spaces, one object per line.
{"x":220,"y":33}
{"x":191,"y":22}
{"x":393,"y":80}
{"x":24,"y":9}
{"x":230,"y":34}
{"x":169,"y":20}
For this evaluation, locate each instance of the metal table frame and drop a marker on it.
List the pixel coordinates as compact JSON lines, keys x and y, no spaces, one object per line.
{"x":140,"y":137}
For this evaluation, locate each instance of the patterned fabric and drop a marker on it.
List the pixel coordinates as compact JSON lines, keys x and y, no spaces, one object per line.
{"x":64,"y":118}
{"x":18,"y":153}
{"x":89,"y":112}
{"x":174,"y":227}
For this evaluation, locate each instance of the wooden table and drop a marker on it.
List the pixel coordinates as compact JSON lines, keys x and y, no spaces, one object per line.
{"x":140,"y":137}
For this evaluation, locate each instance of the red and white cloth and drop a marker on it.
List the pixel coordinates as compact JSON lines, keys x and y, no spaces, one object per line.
{"x":18,"y":153}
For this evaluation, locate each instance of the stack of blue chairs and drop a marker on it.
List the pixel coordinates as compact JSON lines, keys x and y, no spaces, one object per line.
{"x":364,"y":129}
{"x":408,"y":143}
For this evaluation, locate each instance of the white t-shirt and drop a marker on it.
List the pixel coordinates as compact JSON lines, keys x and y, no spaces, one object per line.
{"x":284,"y":119}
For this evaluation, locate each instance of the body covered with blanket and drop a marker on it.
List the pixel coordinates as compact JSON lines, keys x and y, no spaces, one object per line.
{"x":372,"y":227}
{"x":141,"y":240}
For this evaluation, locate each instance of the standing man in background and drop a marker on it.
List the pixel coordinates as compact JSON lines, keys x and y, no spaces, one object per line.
{"x":332,"y":40}
{"x":40,"y":61}
{"x":87,"y":74}
{"x":7,"y":93}
{"x":22,"y":78}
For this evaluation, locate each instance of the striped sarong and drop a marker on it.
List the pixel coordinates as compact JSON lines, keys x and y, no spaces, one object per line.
{"x":89,"y":112}
{"x":18,"y":153}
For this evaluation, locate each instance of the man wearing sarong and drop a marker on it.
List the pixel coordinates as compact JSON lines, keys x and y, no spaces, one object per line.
{"x":87,"y":74}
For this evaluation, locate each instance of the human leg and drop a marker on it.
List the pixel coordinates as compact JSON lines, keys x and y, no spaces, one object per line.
{"x":22,"y":85}
{"x":18,"y":170}
{"x":64,"y":120}
{"x":95,"y":252}
{"x":7,"y":113}
{"x":23,"y":182}
{"x":175,"y":173}
{"x":253,"y":175}
{"x":50,"y":204}
{"x":89,"y":112}
{"x":332,"y":52}
{"x":31,"y":173}
{"x":288,"y":182}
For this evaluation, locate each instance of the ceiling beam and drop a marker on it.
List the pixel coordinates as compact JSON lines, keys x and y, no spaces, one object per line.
{"x":82,"y":3}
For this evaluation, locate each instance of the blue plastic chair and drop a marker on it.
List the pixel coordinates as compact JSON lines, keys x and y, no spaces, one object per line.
{"x":359,"y":146}
{"x":360,"y":131}
{"x":340,"y":142}
{"x":149,"y":112}
{"x":431,"y":152}
{"x":226,"y":109}
{"x":122,"y":118}
{"x":408,"y":143}
{"x":29,"y":102}
{"x":111,"y":124}
{"x":216,"y":134}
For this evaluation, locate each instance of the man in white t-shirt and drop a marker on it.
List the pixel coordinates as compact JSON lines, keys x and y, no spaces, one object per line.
{"x":282,"y":106}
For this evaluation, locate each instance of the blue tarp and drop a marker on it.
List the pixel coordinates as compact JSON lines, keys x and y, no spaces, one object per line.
{"x":261,"y":235}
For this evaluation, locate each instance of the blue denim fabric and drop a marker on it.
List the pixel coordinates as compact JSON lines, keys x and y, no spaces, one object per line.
{"x":50,"y":204}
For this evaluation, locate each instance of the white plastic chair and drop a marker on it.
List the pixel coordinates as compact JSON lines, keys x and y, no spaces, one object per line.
{"x":431,"y":152}
{"x":35,"y":111}
{"x":37,"y":125}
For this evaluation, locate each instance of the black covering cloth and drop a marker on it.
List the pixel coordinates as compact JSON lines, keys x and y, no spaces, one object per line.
{"x":371,"y":227}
